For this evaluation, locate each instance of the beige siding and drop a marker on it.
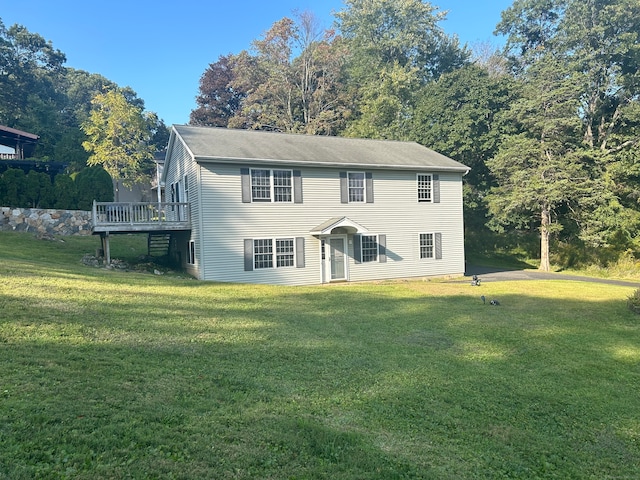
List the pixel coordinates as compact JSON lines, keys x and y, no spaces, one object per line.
{"x":180,"y":164}
{"x":226,"y":222}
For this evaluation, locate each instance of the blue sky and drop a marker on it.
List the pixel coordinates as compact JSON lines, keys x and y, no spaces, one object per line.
{"x":161,"y":48}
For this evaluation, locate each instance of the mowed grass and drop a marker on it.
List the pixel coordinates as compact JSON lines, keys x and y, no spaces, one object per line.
{"x":110,"y":374}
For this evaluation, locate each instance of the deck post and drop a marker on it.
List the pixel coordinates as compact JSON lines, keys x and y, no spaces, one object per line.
{"x":104,"y":237}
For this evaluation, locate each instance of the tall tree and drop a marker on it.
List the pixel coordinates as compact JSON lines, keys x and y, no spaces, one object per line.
{"x":395,"y":47}
{"x":458,"y":115}
{"x":218,"y":101}
{"x":290,"y":93}
{"x":593,"y":47}
{"x":118,"y":138}
{"x":540,"y":169}
{"x":28,"y":66}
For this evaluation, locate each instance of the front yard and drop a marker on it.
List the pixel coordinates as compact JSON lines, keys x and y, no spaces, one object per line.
{"x":111,"y":374}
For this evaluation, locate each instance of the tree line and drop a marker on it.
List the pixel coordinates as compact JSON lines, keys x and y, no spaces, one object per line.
{"x":550,"y":124}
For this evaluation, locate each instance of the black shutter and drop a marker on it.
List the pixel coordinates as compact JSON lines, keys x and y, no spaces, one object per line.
{"x":344,"y":188}
{"x":357,"y":248}
{"x":436,"y":188}
{"x":246,"y":185}
{"x":438,"y":242}
{"x":248,"y":254}
{"x":382,"y":248}
{"x":297,"y":186}
{"x":300,"y":252}
{"x":369,"y":186}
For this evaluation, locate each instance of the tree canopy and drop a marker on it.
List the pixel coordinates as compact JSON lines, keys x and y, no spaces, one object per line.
{"x":118,"y":138}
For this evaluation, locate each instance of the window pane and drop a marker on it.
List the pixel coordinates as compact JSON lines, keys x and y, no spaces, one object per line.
{"x":424,"y":188}
{"x":192,"y":252}
{"x":263,"y":253}
{"x":284,"y":252}
{"x":282,"y":185}
{"x":369,"y":248}
{"x":426,"y":245}
{"x":356,"y":187}
{"x":261,"y":185}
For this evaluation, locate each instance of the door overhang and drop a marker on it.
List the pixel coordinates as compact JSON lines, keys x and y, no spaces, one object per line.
{"x":345,"y":224}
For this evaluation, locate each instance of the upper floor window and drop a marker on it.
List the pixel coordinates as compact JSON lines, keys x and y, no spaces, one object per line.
{"x":356,"y":186}
{"x":265,"y":185}
{"x":425,"y":186}
{"x":271,"y":185}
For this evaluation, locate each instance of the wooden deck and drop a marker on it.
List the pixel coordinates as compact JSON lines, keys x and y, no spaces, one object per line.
{"x":128,"y":217}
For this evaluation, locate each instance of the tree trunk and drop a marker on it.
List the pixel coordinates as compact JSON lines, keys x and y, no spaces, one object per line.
{"x":544,"y":241}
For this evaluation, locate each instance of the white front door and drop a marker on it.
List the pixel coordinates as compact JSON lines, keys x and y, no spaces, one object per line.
{"x":336,"y":258}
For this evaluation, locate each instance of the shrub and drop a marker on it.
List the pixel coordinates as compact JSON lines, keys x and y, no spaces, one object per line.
{"x":93,"y":183}
{"x":634,"y":301}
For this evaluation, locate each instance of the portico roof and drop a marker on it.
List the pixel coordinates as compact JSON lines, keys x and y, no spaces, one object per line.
{"x":338,"y":222}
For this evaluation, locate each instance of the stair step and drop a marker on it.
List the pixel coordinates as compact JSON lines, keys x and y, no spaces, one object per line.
{"x":158,"y":244}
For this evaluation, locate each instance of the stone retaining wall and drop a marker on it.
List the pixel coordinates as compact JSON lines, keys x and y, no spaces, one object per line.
{"x":46,"y":221}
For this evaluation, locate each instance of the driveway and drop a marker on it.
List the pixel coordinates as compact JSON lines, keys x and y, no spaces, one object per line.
{"x":490,"y":274}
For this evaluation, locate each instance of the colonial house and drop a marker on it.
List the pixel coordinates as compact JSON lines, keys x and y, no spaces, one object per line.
{"x":276,"y":208}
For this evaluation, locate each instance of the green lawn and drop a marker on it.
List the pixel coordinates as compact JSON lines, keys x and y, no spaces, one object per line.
{"x":111,"y":374}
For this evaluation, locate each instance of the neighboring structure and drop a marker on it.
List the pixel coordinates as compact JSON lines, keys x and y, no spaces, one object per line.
{"x":22,"y":143}
{"x":294,"y":209}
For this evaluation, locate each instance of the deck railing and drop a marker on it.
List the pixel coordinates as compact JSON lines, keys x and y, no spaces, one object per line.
{"x":140,"y":215}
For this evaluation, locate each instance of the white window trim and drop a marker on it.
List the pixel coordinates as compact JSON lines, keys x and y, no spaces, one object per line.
{"x":433,"y":246}
{"x":430,"y":175}
{"x":272,"y":197}
{"x":362,"y":260}
{"x":364,"y":187}
{"x":274,"y":253}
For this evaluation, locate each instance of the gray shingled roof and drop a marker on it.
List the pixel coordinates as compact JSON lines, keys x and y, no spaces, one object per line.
{"x":223,"y":144}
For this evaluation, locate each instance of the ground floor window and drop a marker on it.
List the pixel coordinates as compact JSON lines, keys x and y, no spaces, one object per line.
{"x":284,"y":252}
{"x":191,"y":257}
{"x":431,"y":245}
{"x":369,"y":247}
{"x":265,"y":256}
{"x":426,"y":245}
{"x":262,"y":253}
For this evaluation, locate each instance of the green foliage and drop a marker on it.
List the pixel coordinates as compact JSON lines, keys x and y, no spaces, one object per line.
{"x":66,"y":192}
{"x":35,"y":190}
{"x":109,"y":374}
{"x":633,"y":301}
{"x":395,"y":47}
{"x":386,"y":109}
{"x":93,"y":183}
{"x":118,"y":138}
{"x":274,"y":89}
{"x":593,"y":48}
{"x":38,"y":190}
{"x":12,"y":188}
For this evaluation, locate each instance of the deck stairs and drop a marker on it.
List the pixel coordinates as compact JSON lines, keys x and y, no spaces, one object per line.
{"x":158,"y":244}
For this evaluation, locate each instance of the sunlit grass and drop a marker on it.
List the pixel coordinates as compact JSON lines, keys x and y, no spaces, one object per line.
{"x":108,"y":374}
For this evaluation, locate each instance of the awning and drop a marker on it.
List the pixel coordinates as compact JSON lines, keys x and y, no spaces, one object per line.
{"x":338,"y":222}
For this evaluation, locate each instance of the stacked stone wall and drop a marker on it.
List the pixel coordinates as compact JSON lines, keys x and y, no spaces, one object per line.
{"x":46,"y":221}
